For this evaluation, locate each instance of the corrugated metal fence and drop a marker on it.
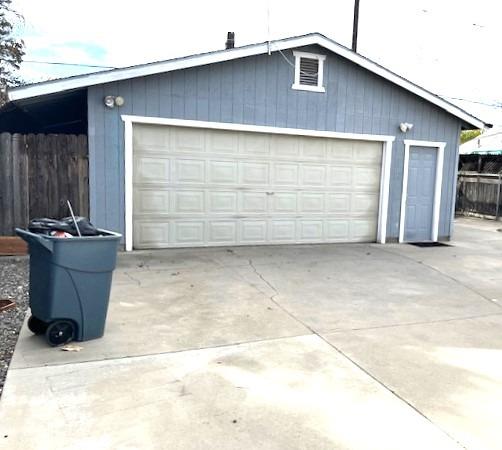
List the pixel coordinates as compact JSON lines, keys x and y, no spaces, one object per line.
{"x":38,"y":173}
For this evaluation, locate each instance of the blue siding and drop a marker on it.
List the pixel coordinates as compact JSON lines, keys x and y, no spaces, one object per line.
{"x":257,"y":90}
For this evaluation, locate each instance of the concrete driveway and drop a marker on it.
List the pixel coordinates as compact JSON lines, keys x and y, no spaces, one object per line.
{"x":298,"y":347}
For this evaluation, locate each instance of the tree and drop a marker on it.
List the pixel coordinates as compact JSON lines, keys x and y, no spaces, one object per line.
{"x":467,"y":135}
{"x":11,"y":49}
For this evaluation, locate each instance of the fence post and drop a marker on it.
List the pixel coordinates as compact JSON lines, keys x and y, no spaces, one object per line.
{"x":6,"y":177}
{"x":498,"y":201}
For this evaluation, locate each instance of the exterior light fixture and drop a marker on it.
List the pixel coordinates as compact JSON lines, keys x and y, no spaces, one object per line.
{"x":119,"y":101}
{"x":111,"y":101}
{"x":405,"y":126}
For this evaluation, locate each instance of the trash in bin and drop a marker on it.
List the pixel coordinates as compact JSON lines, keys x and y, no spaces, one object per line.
{"x":67,"y":225}
{"x":70,"y":280}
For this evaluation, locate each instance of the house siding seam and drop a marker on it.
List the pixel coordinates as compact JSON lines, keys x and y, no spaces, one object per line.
{"x":257,"y":91}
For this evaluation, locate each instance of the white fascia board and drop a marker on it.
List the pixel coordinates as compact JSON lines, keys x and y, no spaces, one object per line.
{"x":110,"y":76}
{"x":51,"y":87}
{"x":396,"y":79}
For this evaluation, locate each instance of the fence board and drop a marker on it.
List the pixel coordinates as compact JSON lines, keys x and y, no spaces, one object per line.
{"x":6,"y":176}
{"x":38,"y":174}
{"x":83,"y":175}
{"x":19,"y":184}
{"x":479,"y":194}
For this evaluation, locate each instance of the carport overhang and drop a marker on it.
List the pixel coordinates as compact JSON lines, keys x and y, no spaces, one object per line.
{"x":61,"y":113}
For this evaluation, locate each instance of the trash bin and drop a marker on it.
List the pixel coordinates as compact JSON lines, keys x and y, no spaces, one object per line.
{"x":70,"y":280}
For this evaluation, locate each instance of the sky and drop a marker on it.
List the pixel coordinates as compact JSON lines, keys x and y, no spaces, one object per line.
{"x":446,"y":46}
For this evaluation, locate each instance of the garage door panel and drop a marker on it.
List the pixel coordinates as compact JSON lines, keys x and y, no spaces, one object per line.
{"x":310,"y":230}
{"x":151,"y":201}
{"x":338,"y":230}
{"x":151,"y":138}
{"x":312,"y":202}
{"x":188,"y":140}
{"x":285,"y":146}
{"x":340,"y":150}
{"x":365,"y":203}
{"x":151,"y":234}
{"x":338,"y":203}
{"x":254,"y":173}
{"x":222,"y":202}
{"x":253,"y":231}
{"x":252,"y":144}
{"x":366,"y":178}
{"x":254,"y":202}
{"x":367,"y":153}
{"x":340,"y":176}
{"x":284,"y":202}
{"x":196,"y":187}
{"x":189,"y":232}
{"x":150,"y":169}
{"x":283,"y":230}
{"x":189,"y":202}
{"x":363,"y":230}
{"x":222,"y":232}
{"x":223,"y":142}
{"x":189,"y":171}
{"x":285,"y":174}
{"x":313,"y":148}
{"x":313,"y":175}
{"x":223,"y":172}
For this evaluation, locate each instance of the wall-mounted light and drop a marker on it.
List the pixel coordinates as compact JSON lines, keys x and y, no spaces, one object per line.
{"x":405,"y":126}
{"x":111,"y":101}
{"x":119,"y":101}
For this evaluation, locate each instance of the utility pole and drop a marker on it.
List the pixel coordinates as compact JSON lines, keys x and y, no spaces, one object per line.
{"x":355,"y":25}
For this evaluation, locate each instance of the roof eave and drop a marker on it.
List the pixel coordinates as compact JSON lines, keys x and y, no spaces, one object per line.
{"x":109,"y":76}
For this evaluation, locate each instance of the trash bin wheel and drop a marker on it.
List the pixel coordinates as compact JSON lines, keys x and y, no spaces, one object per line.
{"x":37,"y":326}
{"x":60,"y":332}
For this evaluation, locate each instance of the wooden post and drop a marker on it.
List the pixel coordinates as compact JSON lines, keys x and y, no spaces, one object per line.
{"x":20,"y":181}
{"x":6,"y":188}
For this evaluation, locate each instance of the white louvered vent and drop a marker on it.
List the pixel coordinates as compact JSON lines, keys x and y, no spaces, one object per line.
{"x":309,"y":71}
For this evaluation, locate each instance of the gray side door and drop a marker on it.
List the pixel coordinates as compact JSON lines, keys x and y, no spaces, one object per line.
{"x":420,"y":195}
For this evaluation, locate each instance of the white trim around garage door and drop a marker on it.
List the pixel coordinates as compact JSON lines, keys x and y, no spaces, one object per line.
{"x":128,"y":147}
{"x":437,"y":185}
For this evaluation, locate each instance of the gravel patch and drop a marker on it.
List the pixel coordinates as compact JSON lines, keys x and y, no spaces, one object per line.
{"x":13,"y":286}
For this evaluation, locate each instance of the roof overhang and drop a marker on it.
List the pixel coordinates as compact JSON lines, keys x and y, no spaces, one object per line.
{"x":81,"y":81}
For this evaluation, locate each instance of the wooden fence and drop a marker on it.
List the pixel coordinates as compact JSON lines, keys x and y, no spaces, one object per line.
{"x":479,"y":194}
{"x":38,"y":174}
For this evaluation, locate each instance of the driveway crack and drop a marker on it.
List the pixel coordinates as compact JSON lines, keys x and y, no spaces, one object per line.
{"x":359,"y":366}
{"x":392,"y":391}
{"x":268,"y":283}
{"x":138,"y":282}
{"x":272,"y":297}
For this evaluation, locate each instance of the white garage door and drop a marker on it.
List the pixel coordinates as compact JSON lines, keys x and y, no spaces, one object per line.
{"x":201,"y":187}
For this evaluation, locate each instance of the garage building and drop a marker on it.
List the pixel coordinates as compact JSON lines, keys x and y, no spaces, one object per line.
{"x":299,"y":140}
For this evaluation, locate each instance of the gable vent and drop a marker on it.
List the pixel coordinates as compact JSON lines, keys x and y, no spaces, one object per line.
{"x":309,"y":71}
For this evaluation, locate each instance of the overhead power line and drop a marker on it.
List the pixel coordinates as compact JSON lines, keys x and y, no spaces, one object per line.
{"x":95,"y":66}
{"x":67,"y":64}
{"x":493,"y":105}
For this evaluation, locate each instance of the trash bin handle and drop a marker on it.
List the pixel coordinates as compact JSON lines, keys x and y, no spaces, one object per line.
{"x":35,"y":238}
